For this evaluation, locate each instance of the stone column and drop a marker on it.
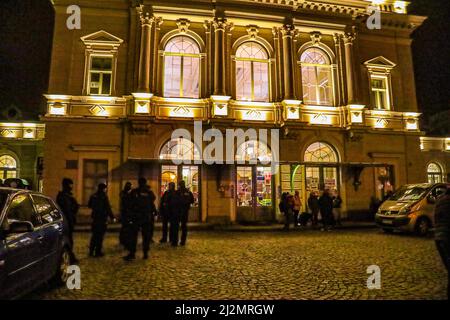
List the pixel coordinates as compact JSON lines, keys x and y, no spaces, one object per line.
{"x":350,"y":68}
{"x":338,"y":70}
{"x":145,"y":52}
{"x":288,"y":32}
{"x":220,"y":25}
{"x":154,"y":56}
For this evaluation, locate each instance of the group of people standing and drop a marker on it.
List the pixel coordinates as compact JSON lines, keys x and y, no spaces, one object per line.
{"x":327,"y":204}
{"x":137,"y":215}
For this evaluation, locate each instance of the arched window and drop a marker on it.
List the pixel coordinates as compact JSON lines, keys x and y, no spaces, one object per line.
{"x":253,"y":150}
{"x":181,"y":68}
{"x":8,"y":167}
{"x":180,"y":149}
{"x":320,"y":152}
{"x":252,"y":72}
{"x":434,"y":173}
{"x":316,"y":77}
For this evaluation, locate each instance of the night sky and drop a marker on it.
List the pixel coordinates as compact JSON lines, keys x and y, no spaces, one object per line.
{"x":26,"y":28}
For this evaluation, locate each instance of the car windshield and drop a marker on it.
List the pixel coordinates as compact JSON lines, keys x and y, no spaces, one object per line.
{"x":409,"y":193}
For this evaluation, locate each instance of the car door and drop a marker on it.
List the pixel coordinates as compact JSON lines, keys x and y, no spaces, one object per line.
{"x":22,"y":258}
{"x":51,"y":232}
{"x":435,"y":193}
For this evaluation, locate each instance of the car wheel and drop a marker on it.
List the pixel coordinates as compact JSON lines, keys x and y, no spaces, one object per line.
{"x":422,"y":227}
{"x":388,"y":230}
{"x":61,"y":274}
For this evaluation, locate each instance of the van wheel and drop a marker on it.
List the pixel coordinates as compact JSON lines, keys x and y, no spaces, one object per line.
{"x":61,"y":274}
{"x":422,"y":227}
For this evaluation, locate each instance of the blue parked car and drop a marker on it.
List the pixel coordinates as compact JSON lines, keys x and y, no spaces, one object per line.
{"x":33,"y":242}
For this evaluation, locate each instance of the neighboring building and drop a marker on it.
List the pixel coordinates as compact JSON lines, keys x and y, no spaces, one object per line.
{"x":436,"y":152}
{"x":343,"y":97}
{"x":21,"y":152}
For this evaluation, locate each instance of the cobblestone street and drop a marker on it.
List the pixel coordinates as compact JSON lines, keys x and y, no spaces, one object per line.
{"x":263,"y":265}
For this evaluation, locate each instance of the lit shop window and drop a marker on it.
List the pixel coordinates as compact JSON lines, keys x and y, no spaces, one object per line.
{"x":244,"y":186}
{"x":263,"y":186}
{"x":320,"y":174}
{"x":182,"y":68}
{"x":316,"y":77}
{"x":379,"y":91}
{"x":252,"y":72}
{"x":179,"y":149}
{"x":100,"y":75}
{"x":8,"y":167}
{"x":434,"y":173}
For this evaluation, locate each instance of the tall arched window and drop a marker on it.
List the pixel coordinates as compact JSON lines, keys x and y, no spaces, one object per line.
{"x":318,"y":176}
{"x":253,"y":150}
{"x":8,"y":167}
{"x":434,"y":173}
{"x":316,"y":77}
{"x":320,"y":152}
{"x":181,"y":68}
{"x":252,"y":72}
{"x":180,"y":149}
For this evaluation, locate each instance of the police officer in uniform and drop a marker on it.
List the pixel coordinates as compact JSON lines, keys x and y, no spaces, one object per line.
{"x":101,"y":210}
{"x":142,"y":203}
{"x":164,"y":210}
{"x":186,"y":199}
{"x":69,"y":206}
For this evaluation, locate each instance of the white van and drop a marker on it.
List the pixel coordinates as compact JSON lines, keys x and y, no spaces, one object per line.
{"x":410,"y":208}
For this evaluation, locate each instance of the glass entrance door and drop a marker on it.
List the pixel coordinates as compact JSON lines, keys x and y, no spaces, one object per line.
{"x":254,"y":193}
{"x":321,"y":178}
{"x":190,"y":175}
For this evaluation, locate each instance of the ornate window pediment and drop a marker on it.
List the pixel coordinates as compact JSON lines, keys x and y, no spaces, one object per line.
{"x":101,"y":39}
{"x":100,"y":64}
{"x":380,"y":63}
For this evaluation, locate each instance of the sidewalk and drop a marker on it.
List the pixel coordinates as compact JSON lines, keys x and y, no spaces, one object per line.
{"x":275,"y":227}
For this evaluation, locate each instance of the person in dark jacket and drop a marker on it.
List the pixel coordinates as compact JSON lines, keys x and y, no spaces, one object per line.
{"x":69,"y":206}
{"x":101,"y":211}
{"x":175,"y":204}
{"x":125,"y":196}
{"x":337,"y":204}
{"x":142,"y":207}
{"x":164,"y":211}
{"x":187,"y":199}
{"x":442,"y":232}
{"x":326,"y":209}
{"x":313,"y":205}
{"x":287,"y":208}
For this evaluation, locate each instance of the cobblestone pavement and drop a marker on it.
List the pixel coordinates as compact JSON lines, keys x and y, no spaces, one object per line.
{"x":259,"y":265}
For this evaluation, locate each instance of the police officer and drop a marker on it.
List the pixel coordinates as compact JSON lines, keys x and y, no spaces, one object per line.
{"x":124,"y":213}
{"x":69,"y":206}
{"x":164,"y":210}
{"x":142,"y":203}
{"x":101,"y":210}
{"x":186,"y":199}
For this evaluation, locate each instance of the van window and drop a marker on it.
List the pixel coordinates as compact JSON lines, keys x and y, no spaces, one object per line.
{"x":408,"y":194}
{"x":439,"y":191}
{"x":21,"y":209}
{"x":46,"y":209}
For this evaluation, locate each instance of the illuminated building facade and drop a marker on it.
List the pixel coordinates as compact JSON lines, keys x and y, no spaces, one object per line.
{"x":342,"y":96}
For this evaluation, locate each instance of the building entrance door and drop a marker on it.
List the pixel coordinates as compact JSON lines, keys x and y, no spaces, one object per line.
{"x":254,"y":193}
{"x":191,"y":176}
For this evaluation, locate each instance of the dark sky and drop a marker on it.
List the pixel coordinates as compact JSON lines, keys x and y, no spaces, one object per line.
{"x":25,"y":45}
